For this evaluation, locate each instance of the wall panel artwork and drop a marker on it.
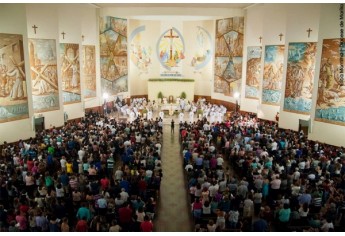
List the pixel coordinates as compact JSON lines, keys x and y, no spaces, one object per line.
{"x":273,"y":74}
{"x":300,"y":77}
{"x":170,"y":50}
{"x":44,"y":77}
{"x":113,"y":51}
{"x":140,"y":54}
{"x":13,"y":93}
{"x":89,"y":70}
{"x":253,"y":72}
{"x":203,"y":54}
{"x":330,"y":104}
{"x":228,"y":56}
{"x":70,"y":72}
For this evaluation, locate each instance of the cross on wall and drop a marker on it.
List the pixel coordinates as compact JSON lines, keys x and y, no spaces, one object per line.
{"x":34,"y":27}
{"x":63,"y":35}
{"x":309,"y":30}
{"x":171,"y":37}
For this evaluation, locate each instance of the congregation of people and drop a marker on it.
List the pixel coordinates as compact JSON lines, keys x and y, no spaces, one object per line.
{"x":246,"y":174}
{"x":103,"y":174}
{"x":98,"y":175}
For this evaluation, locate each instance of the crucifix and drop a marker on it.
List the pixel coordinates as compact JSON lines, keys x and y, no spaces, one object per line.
{"x":260,"y":38}
{"x":82,"y":37}
{"x":171,"y":37}
{"x":34,"y":27}
{"x":63,"y":35}
{"x":309,"y":30}
{"x":280,"y":36}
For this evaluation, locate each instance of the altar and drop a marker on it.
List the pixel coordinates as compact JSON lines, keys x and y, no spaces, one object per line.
{"x":170,"y":88}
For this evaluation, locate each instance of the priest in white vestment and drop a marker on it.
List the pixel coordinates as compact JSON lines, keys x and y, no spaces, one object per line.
{"x":161,"y":115}
{"x":191,"y":116}
{"x":181,"y":117}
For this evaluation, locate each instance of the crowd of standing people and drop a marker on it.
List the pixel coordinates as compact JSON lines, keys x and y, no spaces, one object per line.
{"x":97,"y":175}
{"x":275,"y":180}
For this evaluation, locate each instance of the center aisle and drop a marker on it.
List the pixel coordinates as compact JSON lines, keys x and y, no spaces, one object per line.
{"x":174,"y":208}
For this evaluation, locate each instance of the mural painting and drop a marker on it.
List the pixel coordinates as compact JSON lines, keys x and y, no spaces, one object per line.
{"x":113,"y":51}
{"x":203,"y":54}
{"x":140,"y":54}
{"x":299,"y":77}
{"x":70,"y":72}
{"x":229,"y":50}
{"x":170,"y":52}
{"x":89,"y":70}
{"x":44,"y":79}
{"x":13,"y":93}
{"x":273,"y":74}
{"x":330,"y":104}
{"x":253,"y":72}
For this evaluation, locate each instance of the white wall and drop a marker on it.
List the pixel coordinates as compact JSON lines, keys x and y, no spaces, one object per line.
{"x":148,"y":39}
{"x":299,"y":18}
{"x":329,"y":28}
{"x":177,"y":13}
{"x":89,"y":28}
{"x":253,"y":30}
{"x":274,"y":23}
{"x":45,"y":16}
{"x":69,"y":20}
{"x":204,"y":76}
{"x":12,"y":21}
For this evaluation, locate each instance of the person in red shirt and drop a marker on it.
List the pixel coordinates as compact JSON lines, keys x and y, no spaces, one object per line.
{"x":81,"y":225}
{"x":142,"y":185}
{"x":30,"y":164}
{"x":105,"y":183}
{"x":146,"y":225}
{"x":125,"y":216}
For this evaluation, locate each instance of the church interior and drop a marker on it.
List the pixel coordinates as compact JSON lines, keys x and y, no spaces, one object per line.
{"x":232,"y":70}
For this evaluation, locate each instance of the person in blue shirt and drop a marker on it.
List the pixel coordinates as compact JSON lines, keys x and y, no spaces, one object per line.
{"x":83,"y":211}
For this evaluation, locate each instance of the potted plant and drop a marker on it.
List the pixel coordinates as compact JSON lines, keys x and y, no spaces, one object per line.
{"x":160,"y":96}
{"x":183,"y":95}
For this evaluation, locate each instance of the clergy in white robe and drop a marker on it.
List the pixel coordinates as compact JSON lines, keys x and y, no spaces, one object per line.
{"x":149,"y":115}
{"x":181,"y":117}
{"x":212,"y":117}
{"x":131,"y":116}
{"x":191,"y":117}
{"x":161,"y":115}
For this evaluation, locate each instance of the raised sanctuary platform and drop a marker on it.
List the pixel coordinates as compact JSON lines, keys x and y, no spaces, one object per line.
{"x":170,"y":87}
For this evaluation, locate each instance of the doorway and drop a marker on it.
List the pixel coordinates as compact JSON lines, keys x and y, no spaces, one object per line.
{"x":304,"y":126}
{"x":39,"y":124}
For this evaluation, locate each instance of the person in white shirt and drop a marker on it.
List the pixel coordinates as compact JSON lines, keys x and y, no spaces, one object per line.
{"x":149,"y":115}
{"x":191,"y":116}
{"x":63,"y":163}
{"x":131,"y":116}
{"x":220,"y":161}
{"x":81,"y":153}
{"x":124,"y":195}
{"x":161,"y":115}
{"x":181,"y":117}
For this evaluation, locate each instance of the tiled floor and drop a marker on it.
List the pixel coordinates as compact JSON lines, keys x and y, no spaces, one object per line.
{"x":174,"y":208}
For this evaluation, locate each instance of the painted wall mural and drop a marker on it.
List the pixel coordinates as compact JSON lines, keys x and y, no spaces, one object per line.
{"x":330,"y":104}
{"x":113,"y":52}
{"x":70,"y":72}
{"x":228,"y":56}
{"x":299,"y":77}
{"x":203,"y":54}
{"x":13,"y":93}
{"x":273,"y":74}
{"x":140,"y":54}
{"x":44,"y":79}
{"x":170,"y":52}
{"x":89,"y":70}
{"x":253,"y":72}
